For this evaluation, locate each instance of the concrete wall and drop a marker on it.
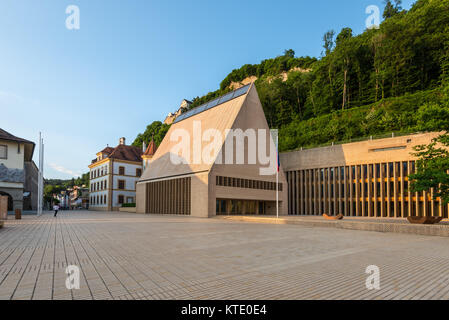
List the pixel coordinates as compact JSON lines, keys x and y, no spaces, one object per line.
{"x":200,"y":201}
{"x":31,"y":181}
{"x":141,"y":199}
{"x":364,"y":152}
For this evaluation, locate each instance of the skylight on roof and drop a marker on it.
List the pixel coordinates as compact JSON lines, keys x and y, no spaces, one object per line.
{"x":213,"y":103}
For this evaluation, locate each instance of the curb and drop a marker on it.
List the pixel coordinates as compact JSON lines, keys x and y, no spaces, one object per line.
{"x":424,"y":230}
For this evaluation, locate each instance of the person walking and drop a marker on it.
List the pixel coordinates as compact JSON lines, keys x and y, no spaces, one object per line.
{"x":56,"y":208}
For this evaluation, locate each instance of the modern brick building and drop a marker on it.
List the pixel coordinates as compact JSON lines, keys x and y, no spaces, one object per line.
{"x":207,"y":188}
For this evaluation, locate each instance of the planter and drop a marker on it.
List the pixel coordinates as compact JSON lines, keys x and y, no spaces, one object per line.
{"x":18,"y":214}
{"x":424,"y":220}
{"x":338,"y":217}
{"x":127,"y":209}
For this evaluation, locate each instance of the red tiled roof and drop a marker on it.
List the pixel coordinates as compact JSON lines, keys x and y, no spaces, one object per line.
{"x":151,"y":150}
{"x":128,"y":153}
{"x":107,"y":150}
{"x":122,"y":152}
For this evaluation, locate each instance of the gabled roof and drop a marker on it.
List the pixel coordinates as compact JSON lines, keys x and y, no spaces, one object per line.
{"x":151,"y":150}
{"x":4,"y":135}
{"x":122,"y":152}
{"x":107,"y":150}
{"x":128,"y":153}
{"x":29,"y":145}
{"x":220,"y":116}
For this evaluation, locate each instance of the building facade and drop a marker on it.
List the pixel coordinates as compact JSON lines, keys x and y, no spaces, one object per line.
{"x":215,"y":187}
{"x":113,"y":177}
{"x":18,"y":173}
{"x":361,"y":179}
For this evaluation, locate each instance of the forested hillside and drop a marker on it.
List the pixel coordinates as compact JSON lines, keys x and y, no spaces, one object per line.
{"x":381,"y":81}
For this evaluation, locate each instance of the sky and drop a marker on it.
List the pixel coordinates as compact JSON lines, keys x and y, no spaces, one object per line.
{"x":132,"y":62}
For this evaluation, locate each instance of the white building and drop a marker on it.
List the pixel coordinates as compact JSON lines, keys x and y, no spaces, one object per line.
{"x":113,"y":177}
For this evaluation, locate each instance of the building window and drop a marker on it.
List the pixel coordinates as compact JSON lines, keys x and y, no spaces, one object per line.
{"x":138,"y":172}
{"x":120,"y":199}
{"x":121,"y":171}
{"x":3,"y":152}
{"x":129,"y":199}
{"x":121,"y":184}
{"x":105,"y":184}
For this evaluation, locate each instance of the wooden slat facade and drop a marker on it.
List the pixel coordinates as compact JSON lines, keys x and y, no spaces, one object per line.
{"x":368,"y":190}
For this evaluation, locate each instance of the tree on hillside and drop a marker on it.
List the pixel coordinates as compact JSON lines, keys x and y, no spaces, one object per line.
{"x":156,"y":130}
{"x":345,"y":51}
{"x":328,"y":42}
{"x":392,"y":9}
{"x":289,"y":53}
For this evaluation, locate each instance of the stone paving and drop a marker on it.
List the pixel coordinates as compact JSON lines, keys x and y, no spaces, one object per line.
{"x":130,"y":256}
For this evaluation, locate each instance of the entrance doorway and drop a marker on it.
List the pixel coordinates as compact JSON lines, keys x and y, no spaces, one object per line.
{"x":10,"y":202}
{"x":240,"y":207}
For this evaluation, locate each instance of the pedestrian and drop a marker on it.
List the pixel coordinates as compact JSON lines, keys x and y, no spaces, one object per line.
{"x":56,"y":208}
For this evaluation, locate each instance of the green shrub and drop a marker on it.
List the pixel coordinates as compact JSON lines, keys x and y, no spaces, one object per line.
{"x":128,"y":205}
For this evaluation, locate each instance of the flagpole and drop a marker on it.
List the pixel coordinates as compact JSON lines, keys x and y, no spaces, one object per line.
{"x":38,"y":176}
{"x":277,"y":177}
{"x":277,"y":193}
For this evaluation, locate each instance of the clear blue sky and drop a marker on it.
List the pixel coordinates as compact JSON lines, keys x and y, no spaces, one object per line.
{"x":133,"y":61}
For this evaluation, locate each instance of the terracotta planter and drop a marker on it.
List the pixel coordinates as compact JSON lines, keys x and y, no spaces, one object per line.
{"x":338,"y":217}
{"x":424,"y":220}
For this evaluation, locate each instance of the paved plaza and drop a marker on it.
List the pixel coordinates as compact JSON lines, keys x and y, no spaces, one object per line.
{"x":131,"y":256}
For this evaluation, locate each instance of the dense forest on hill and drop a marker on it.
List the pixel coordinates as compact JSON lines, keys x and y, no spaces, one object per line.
{"x":390,"y":79}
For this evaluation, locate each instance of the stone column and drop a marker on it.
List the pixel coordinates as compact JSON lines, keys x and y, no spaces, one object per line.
{"x":3,"y":207}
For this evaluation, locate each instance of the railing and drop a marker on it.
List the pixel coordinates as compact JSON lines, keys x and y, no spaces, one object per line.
{"x":358,"y":139}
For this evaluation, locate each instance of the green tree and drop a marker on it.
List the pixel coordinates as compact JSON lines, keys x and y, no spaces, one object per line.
{"x":345,"y":55}
{"x":433,"y":168}
{"x":328,"y":42}
{"x":156,"y":130}
{"x":289,"y":53}
{"x":392,"y":9}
